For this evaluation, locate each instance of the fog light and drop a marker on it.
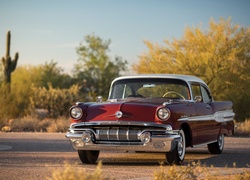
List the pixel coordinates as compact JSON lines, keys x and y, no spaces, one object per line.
{"x":86,"y":136}
{"x":169,"y":127}
{"x":77,"y":143}
{"x":145,"y":137}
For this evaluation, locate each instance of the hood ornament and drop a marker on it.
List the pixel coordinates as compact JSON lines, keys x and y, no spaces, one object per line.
{"x":118,"y":114}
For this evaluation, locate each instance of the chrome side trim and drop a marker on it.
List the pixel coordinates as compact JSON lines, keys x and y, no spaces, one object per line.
{"x":197,"y":145}
{"x":220,"y":116}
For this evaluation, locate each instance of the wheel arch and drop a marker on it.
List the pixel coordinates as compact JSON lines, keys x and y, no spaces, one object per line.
{"x":188,"y":134}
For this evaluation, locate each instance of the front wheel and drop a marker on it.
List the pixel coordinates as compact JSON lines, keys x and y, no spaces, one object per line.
{"x":88,"y":157}
{"x":216,"y":147}
{"x":176,"y":156}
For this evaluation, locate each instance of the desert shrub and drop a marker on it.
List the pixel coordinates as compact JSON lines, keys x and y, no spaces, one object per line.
{"x":59,"y":125}
{"x":31,"y":124}
{"x":11,"y":104}
{"x":55,"y":101}
{"x":243,"y":176}
{"x":72,"y":173}
{"x":191,"y":171}
{"x":25,"y":124}
{"x":198,"y":171}
{"x":44,"y":124}
{"x":243,"y":128}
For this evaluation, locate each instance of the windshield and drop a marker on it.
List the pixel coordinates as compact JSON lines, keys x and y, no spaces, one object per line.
{"x":150,"y":88}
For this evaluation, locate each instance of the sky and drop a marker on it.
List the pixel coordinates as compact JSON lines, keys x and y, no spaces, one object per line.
{"x":46,"y":30}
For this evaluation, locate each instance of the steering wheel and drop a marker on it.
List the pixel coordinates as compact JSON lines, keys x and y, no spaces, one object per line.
{"x":173,"y":92}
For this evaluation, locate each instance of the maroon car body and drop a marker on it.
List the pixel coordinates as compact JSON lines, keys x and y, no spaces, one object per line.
{"x":152,"y":113}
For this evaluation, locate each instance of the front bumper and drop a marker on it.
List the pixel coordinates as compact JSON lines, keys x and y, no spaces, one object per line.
{"x":161,"y":139}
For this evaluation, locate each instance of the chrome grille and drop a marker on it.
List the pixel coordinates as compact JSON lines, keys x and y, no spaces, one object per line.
{"x":117,"y":134}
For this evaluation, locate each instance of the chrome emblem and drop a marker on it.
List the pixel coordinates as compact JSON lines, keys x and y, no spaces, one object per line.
{"x":118,"y":114}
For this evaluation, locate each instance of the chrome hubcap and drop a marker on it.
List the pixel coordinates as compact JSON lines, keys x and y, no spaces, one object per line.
{"x":221,"y":141}
{"x":181,"y":146}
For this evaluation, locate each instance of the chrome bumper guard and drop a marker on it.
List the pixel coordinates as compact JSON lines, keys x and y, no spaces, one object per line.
{"x":84,"y":136}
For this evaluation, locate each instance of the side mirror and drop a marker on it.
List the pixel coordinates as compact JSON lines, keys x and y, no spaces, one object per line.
{"x":198,"y":99}
{"x":99,"y":99}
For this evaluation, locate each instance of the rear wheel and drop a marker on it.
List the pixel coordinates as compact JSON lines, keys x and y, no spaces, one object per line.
{"x":176,"y":156}
{"x":216,"y":147}
{"x":88,"y":157}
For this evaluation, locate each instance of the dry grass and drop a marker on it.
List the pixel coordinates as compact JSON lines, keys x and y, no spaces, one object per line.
{"x":72,"y":173}
{"x":243,"y":128}
{"x":192,"y":171}
{"x":59,"y":125}
{"x":197,"y":171}
{"x":31,"y":124}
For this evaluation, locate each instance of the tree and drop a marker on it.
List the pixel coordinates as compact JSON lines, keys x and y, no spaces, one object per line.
{"x":51,"y":73}
{"x":219,"y":55}
{"x":95,"y":69}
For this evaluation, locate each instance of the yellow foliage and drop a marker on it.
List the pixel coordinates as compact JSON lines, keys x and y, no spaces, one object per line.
{"x":219,"y":55}
{"x":210,"y":55}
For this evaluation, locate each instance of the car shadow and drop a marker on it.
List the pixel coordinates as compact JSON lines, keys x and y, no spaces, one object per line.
{"x":226,"y":159}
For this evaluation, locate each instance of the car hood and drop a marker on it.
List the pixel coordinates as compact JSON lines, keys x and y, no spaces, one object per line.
{"x":143,"y":110}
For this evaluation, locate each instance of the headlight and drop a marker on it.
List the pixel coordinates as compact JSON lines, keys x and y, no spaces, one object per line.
{"x":163,"y":114}
{"x":76,"y":113}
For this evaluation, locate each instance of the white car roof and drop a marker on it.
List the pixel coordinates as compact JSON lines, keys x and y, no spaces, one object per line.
{"x":186,"y":78}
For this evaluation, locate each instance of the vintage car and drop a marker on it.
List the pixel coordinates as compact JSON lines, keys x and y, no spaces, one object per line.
{"x":151,"y":113}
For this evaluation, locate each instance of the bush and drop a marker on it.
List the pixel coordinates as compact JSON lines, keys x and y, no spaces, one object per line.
{"x":55,"y":101}
{"x":191,"y":171}
{"x":31,"y":124}
{"x":243,"y":128}
{"x":72,"y":173}
{"x":26,"y":124}
{"x":10,"y":104}
{"x":59,"y":125}
{"x":197,"y":171}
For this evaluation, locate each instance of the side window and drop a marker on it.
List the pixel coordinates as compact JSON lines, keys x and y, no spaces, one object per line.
{"x":205,"y":95}
{"x":196,"y":91}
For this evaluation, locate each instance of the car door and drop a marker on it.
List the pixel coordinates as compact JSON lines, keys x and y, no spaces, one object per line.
{"x":204,"y":126}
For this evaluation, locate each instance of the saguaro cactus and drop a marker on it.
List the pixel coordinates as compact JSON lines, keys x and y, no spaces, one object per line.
{"x":9,"y":65}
